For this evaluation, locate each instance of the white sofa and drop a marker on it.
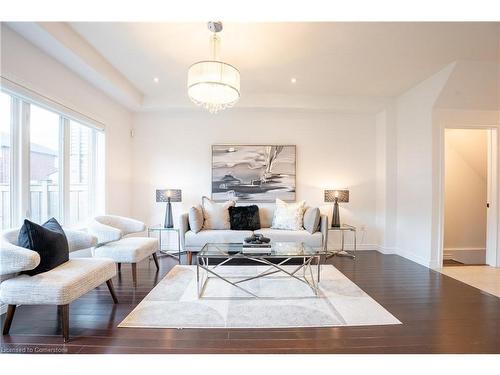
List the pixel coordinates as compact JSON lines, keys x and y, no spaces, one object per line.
{"x":192,"y":242}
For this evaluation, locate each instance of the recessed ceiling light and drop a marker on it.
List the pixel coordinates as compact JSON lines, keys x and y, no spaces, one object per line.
{"x":156,"y":80}
{"x":293,"y":80}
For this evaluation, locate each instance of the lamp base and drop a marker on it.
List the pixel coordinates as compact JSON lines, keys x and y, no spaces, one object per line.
{"x":169,"y":221}
{"x":336,"y":215}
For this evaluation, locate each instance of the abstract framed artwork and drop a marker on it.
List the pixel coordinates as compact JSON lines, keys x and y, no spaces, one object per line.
{"x":253,"y":173}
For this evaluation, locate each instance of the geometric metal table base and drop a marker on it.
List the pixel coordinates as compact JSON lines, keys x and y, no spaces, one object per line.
{"x":171,"y":253}
{"x":342,"y":252}
{"x":339,"y":253}
{"x":202,"y":264}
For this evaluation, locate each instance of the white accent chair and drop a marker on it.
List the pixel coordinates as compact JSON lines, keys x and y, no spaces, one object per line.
{"x":59,"y":286}
{"x":114,"y":242}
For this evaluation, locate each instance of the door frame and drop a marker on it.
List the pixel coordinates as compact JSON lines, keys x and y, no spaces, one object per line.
{"x":492,"y":224}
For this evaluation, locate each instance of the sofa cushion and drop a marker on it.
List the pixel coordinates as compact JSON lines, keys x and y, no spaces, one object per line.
{"x":48,"y":240}
{"x":282,"y":235}
{"x":128,"y":249}
{"x":195,"y":217}
{"x":216,"y":215}
{"x":215,"y":236}
{"x":311,"y":219}
{"x":244,"y":217}
{"x":60,"y":285}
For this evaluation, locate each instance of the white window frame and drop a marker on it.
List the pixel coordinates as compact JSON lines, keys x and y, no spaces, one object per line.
{"x":21,"y":101}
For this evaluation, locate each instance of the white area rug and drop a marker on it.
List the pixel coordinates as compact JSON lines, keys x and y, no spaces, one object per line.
{"x":288,"y":303}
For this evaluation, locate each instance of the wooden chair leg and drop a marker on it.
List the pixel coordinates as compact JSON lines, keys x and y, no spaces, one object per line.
{"x":119,"y":265}
{"x":155,"y":258}
{"x":134,"y":273}
{"x":65,"y":321}
{"x":11,"y":309}
{"x":189,"y":257}
{"x":109,"y":283}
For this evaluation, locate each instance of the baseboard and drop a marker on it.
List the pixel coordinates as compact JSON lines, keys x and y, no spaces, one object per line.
{"x":416,"y":258}
{"x":470,"y":255}
{"x":386,"y":249}
{"x":350,"y":247}
{"x":449,"y":249}
{"x":429,"y":263}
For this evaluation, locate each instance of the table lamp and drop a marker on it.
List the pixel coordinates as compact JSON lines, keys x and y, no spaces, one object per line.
{"x":169,"y":195}
{"x":336,"y":196}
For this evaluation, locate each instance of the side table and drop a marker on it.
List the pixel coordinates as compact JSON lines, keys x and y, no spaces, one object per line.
{"x":342,"y":252}
{"x":170,"y":252}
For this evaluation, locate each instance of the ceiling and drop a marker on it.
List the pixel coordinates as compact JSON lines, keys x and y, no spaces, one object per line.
{"x":328,"y":60}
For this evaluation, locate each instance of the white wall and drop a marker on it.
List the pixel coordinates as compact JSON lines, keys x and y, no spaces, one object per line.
{"x":333,"y":150}
{"x":386,"y":213}
{"x":414,"y":168}
{"x":27,"y":65}
{"x":456,"y":96}
{"x":466,"y":173}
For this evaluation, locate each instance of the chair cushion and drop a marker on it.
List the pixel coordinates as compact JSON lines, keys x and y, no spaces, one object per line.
{"x":48,"y":240}
{"x":59,"y":286}
{"x":214,"y":236}
{"x":128,"y":249}
{"x":282,"y":235}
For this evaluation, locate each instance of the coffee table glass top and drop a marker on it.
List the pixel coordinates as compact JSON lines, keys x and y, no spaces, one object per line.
{"x":277,"y":250}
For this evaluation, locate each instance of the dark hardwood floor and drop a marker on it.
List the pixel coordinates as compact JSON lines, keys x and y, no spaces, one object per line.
{"x":439,"y":315}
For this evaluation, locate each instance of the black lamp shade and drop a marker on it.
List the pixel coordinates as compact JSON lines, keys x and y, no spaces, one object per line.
{"x":175,"y":195}
{"x":341,"y":195}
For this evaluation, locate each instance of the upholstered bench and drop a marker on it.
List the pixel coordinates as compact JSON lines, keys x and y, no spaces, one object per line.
{"x":59,"y":286}
{"x":112,"y":231}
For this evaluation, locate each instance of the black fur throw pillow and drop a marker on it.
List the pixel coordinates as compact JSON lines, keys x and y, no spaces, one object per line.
{"x":244,"y":218}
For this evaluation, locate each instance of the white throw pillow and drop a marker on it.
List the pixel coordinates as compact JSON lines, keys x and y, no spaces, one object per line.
{"x":288,"y":216}
{"x":216,"y":215}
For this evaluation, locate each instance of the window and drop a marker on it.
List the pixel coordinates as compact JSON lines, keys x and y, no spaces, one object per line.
{"x":80,"y":172}
{"x":44,"y":164}
{"x":5,"y":160}
{"x":53,"y":173}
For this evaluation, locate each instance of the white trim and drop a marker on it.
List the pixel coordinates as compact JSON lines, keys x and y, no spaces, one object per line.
{"x":417,"y":259}
{"x":92,"y":179}
{"x":387,"y":250}
{"x":349,"y":247}
{"x":65,"y":139}
{"x":466,"y":255}
{"x":464,"y":249}
{"x":429,"y":263}
{"x":15,"y":171}
{"x":492,"y":250}
{"x":23,"y":92}
{"x":24,"y":163}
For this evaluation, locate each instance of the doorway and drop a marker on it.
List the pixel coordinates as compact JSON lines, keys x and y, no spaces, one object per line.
{"x":467,"y":186}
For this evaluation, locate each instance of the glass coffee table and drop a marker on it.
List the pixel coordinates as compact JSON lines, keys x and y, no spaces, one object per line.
{"x":213,"y":257}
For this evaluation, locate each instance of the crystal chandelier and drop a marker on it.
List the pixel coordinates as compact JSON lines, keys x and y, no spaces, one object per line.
{"x":213,"y":84}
